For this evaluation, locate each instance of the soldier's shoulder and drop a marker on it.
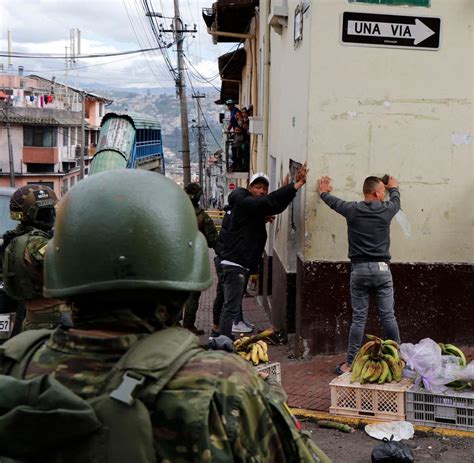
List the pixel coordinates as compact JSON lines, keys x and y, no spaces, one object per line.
{"x":219,"y":370}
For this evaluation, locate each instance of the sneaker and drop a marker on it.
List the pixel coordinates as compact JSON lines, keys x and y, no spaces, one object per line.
{"x":214,"y":334}
{"x":250,"y":325}
{"x":241,"y":327}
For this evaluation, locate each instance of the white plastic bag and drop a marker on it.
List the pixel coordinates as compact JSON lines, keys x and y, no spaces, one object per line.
{"x":433,"y":370}
{"x":395,"y":430}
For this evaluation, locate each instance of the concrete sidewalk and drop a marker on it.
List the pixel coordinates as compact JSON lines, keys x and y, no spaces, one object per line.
{"x":305,"y":381}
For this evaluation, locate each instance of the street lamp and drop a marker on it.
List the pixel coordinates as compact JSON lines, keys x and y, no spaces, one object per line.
{"x":153,"y":14}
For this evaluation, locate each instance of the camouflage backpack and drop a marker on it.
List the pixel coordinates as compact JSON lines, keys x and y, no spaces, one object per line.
{"x":43,"y":421}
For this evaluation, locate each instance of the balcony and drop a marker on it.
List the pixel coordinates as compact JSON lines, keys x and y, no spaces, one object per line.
{"x":40,"y":155}
{"x":232,"y":16}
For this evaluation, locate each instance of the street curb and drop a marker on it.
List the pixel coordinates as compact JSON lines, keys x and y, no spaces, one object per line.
{"x":314,"y":416}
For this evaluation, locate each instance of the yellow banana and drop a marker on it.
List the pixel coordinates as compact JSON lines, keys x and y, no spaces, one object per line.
{"x":391,"y":350}
{"x":365,"y":348}
{"x":255,"y":357}
{"x":357,"y":367}
{"x":385,"y":371}
{"x":261,"y":355}
{"x":263,"y":345}
{"x":248,"y":357}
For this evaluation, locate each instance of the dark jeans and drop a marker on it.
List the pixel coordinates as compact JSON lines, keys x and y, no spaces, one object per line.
{"x":190,"y":309}
{"x":231,"y":287}
{"x":366,"y":278}
{"x":219,"y":300}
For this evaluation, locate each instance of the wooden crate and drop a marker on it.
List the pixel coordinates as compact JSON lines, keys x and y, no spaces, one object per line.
{"x":384,"y":402}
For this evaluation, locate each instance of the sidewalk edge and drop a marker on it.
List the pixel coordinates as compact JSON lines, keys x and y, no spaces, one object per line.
{"x":314,"y":416}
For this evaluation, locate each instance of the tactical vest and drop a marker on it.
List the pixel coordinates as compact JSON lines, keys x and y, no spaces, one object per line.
{"x":17,"y":279}
{"x":114,"y":427}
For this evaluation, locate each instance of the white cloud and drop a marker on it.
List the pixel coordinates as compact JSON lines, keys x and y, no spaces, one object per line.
{"x":107,"y":26}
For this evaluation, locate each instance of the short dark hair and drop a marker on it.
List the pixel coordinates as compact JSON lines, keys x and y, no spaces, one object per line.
{"x":370,"y":183}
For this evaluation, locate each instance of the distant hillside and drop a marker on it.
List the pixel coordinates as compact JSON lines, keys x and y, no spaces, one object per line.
{"x":164,"y":105}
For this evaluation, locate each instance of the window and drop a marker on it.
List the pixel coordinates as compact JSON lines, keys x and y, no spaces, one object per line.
{"x":101,"y":109}
{"x":39,"y":168}
{"x":65,"y":136}
{"x":395,"y":2}
{"x":65,"y":186}
{"x":48,"y":184}
{"x":40,"y":136}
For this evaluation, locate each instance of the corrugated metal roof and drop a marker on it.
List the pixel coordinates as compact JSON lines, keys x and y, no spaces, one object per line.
{"x":107,"y":160}
{"x":37,"y":116}
{"x":139,"y":121}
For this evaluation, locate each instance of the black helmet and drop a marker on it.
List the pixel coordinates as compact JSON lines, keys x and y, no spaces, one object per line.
{"x":34,"y":204}
{"x":194,"y":191}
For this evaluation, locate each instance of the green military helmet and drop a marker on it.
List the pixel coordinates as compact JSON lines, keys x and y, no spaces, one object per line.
{"x":34,"y":204}
{"x":194,"y":191}
{"x":125,"y":229}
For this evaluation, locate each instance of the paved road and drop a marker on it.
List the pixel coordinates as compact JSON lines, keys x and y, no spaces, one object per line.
{"x":357,"y":447}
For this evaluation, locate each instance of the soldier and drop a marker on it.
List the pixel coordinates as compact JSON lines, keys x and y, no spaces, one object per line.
{"x":127,"y":288}
{"x":208,"y":229}
{"x":24,"y":248}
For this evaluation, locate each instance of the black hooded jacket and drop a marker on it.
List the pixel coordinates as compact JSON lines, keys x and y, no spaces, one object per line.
{"x":243,"y":235}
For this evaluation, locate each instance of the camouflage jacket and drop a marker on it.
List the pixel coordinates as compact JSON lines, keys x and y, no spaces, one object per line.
{"x":206,"y":226}
{"x":216,"y":408}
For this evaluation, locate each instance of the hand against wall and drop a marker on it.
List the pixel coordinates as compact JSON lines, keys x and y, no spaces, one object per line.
{"x":324,"y":184}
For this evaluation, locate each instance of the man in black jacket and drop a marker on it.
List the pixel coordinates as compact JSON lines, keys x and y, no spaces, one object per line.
{"x":240,"y":248}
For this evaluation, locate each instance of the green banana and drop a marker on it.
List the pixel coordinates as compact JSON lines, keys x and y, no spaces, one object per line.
{"x":377,"y":372}
{"x":391,"y":342}
{"x":453,"y":350}
{"x":389,"y":378}
{"x":371,"y":337}
{"x":369,"y":371}
{"x":385,"y":371}
{"x":357,"y":367}
{"x":395,"y":367}
{"x":391,"y":350}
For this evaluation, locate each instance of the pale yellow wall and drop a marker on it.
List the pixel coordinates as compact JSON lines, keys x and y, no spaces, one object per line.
{"x":404,"y":112}
{"x":289,"y":91}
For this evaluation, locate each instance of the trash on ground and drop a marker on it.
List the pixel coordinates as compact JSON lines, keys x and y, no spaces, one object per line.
{"x":395,"y":430}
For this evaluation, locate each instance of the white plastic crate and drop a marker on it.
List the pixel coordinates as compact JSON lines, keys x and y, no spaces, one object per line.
{"x":384,"y":402}
{"x":451,"y":409}
{"x":273,"y":370}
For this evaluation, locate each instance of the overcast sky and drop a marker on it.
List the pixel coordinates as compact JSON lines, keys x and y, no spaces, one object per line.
{"x":107,"y":26}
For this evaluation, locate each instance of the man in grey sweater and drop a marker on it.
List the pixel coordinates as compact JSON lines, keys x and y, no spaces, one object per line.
{"x":368,"y":224}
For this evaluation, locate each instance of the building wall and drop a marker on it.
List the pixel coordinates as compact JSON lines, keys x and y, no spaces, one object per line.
{"x":16,"y":136}
{"x":407,"y":113}
{"x":398,"y":111}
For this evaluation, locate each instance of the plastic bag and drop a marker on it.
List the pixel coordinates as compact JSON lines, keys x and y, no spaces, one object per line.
{"x":433,"y":370}
{"x":395,"y":430}
{"x":392,"y":452}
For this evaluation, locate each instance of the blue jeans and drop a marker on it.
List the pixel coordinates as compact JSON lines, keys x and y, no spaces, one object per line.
{"x":232,"y":281}
{"x":366,"y":278}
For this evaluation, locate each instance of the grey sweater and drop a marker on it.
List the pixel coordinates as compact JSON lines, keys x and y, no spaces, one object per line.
{"x":368,"y":224}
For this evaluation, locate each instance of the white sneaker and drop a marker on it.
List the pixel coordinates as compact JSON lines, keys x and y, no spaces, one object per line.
{"x":241,"y":327}
{"x":250,"y":325}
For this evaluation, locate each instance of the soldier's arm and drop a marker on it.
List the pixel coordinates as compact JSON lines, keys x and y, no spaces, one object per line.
{"x":210,"y":231}
{"x":268,"y":432}
{"x":35,"y":250}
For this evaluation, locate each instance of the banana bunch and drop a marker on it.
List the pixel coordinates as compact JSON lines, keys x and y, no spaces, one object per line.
{"x":450,"y":349}
{"x":377,"y":361}
{"x":256,"y":352}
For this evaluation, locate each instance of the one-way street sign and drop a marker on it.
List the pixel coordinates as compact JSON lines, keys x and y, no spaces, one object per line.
{"x":386,"y":30}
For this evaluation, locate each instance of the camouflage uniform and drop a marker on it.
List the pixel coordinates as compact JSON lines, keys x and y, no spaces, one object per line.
{"x":24,"y":250}
{"x":208,"y":229}
{"x":215,"y":408}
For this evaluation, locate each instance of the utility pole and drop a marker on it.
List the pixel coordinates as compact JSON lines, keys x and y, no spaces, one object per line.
{"x":200,"y":139}
{"x":181,"y":84}
{"x":179,"y":29}
{"x":83,"y":137}
{"x":10,"y":149}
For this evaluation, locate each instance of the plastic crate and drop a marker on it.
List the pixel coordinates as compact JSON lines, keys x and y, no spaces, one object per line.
{"x":384,"y":402}
{"x":451,"y":409}
{"x":273,"y":370}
